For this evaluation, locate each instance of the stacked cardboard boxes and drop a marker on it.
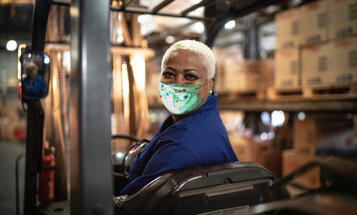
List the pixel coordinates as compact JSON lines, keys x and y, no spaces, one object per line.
{"x":325,"y":43}
{"x":12,"y":127}
{"x":314,"y":29}
{"x":316,"y":137}
{"x":288,"y":36}
{"x":238,"y":75}
{"x":324,"y":136}
{"x":330,"y":63}
{"x":242,"y":76}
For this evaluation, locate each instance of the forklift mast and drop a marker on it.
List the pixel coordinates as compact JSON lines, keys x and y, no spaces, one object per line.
{"x":89,"y":110}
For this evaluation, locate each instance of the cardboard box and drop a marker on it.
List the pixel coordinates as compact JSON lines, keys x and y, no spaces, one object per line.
{"x":241,"y":75}
{"x":315,"y":65}
{"x":287,"y":28}
{"x":222,"y":54}
{"x":153,"y":80}
{"x":292,"y":160}
{"x":266,"y":69}
{"x":342,"y":18}
{"x":313,"y":19}
{"x":343,"y":60}
{"x":262,"y":152}
{"x":287,"y":68}
{"x":324,"y":136}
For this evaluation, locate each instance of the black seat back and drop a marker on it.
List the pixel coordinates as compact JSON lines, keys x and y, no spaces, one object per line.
{"x":232,"y":186}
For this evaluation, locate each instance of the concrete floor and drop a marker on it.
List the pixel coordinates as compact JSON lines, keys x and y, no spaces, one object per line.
{"x":8,"y":154}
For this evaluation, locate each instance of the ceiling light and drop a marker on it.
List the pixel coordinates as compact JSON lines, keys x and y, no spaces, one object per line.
{"x":229,"y":25}
{"x":198,"y":27}
{"x":169,"y":39}
{"x":11,"y":45}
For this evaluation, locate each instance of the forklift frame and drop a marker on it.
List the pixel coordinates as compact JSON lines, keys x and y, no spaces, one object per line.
{"x":90,"y":155}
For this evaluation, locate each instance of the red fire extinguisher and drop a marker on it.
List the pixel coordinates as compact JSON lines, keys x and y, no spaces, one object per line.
{"x":47,"y":176}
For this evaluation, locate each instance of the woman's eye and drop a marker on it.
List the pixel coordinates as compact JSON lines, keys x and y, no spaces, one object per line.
{"x":190,"y":77}
{"x":168,"y":74}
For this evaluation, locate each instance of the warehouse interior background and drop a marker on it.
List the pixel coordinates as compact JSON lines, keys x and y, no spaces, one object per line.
{"x":286,"y":80}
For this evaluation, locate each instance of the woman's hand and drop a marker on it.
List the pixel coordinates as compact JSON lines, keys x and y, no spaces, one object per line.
{"x":133,"y":152}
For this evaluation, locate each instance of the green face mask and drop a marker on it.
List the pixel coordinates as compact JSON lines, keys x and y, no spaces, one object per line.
{"x":180,"y":98}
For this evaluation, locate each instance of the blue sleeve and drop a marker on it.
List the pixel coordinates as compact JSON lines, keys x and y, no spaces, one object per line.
{"x":169,"y":157}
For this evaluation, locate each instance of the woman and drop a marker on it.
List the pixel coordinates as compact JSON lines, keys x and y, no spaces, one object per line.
{"x":34,"y":86}
{"x":193,"y":135}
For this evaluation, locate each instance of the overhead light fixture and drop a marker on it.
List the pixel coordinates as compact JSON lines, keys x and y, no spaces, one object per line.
{"x":229,"y":25}
{"x":277,"y":118}
{"x":46,"y":60}
{"x":11,"y":45}
{"x":169,"y":39}
{"x":198,"y":27}
{"x":146,"y":18}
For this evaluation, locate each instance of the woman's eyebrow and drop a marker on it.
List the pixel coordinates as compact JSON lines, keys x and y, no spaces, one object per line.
{"x":170,"y":68}
{"x":190,"y":69}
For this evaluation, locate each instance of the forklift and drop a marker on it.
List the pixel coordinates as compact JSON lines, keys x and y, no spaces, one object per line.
{"x":95,"y":178}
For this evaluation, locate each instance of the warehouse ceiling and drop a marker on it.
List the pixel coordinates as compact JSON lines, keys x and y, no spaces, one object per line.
{"x":16,"y":16}
{"x":15,"y":21}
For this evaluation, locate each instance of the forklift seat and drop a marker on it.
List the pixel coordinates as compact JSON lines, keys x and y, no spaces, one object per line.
{"x":220,"y":188}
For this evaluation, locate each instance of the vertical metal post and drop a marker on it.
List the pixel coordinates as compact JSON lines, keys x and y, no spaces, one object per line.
{"x":90,"y":142}
{"x":251,"y":45}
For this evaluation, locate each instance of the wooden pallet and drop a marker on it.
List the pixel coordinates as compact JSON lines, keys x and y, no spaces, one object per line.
{"x":284,"y":93}
{"x":337,"y":91}
{"x":340,"y":90}
{"x":241,"y":95}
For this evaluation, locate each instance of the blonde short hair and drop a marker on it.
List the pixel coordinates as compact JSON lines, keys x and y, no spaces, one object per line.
{"x":31,"y":66}
{"x":204,"y":53}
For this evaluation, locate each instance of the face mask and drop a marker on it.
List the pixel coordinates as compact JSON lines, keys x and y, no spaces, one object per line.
{"x":180,"y":98}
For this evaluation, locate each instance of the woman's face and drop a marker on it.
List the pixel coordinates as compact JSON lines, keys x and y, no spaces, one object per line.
{"x":185,"y":67}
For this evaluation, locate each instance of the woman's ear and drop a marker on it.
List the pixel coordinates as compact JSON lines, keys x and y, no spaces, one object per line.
{"x":210,"y":84}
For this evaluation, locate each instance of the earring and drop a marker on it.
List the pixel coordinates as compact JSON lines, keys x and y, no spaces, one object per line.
{"x":210,"y":92}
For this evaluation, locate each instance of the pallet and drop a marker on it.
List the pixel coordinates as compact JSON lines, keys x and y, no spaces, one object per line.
{"x":336,"y":91}
{"x":284,"y":93}
{"x":340,"y":90}
{"x":242,"y":95}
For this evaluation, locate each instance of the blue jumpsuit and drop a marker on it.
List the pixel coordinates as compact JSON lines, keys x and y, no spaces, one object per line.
{"x":35,"y":89}
{"x":199,"y":139}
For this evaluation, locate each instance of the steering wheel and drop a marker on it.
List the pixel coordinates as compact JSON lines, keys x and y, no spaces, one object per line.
{"x":126,"y":160}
